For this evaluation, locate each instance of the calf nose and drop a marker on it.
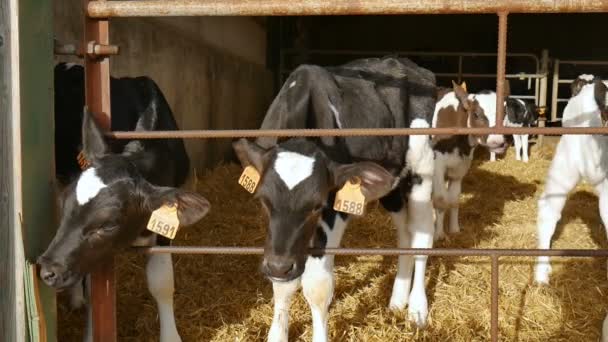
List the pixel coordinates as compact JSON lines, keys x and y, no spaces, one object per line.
{"x":48,"y":274}
{"x":279,"y":267}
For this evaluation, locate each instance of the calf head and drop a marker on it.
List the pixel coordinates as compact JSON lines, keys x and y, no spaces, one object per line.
{"x":106,"y":209}
{"x":296,"y":181}
{"x":473,"y":112}
{"x":599,"y":89}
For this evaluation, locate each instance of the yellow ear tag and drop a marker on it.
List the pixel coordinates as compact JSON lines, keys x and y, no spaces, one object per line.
{"x":82,"y":161}
{"x":164,"y":221}
{"x":249,"y":179}
{"x":350,"y":199}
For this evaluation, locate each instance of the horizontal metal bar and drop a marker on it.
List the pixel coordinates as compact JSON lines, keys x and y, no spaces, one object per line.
{"x":253,"y":133}
{"x":573,"y":62}
{"x":334,"y":52}
{"x":105,"y":9}
{"x":386,"y":251}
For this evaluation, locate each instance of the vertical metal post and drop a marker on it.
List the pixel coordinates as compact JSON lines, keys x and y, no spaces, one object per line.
{"x":494,"y":300}
{"x":97,"y":98}
{"x":555,"y":90}
{"x":460,"y":69}
{"x":500,"y":67}
{"x":542,"y":98}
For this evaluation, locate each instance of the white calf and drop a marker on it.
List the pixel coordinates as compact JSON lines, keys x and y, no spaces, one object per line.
{"x":577,"y":157}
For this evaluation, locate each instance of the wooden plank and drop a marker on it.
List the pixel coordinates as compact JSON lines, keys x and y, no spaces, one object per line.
{"x":36,"y":130}
{"x":8,"y":305}
{"x":178,"y":8}
{"x":97,"y":98}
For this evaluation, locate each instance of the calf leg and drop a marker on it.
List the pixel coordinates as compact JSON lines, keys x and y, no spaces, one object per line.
{"x":439,"y":195}
{"x":524,"y":146}
{"x":439,"y":221}
{"x":517,"y":143}
{"x":403,"y":279}
{"x":602,"y":192}
{"x":561,"y":178}
{"x":318,"y":277}
{"x":159,"y":274}
{"x":492,"y":156}
{"x":282,"y":293}
{"x":420,"y":224}
{"x":604,"y":337}
{"x":454,"y":190}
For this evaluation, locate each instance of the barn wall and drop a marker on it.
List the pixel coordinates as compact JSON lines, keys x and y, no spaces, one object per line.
{"x":212,"y":70}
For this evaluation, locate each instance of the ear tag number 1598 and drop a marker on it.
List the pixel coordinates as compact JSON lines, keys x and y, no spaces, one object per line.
{"x":164,"y":221}
{"x":249,"y":179}
{"x":350,"y":199}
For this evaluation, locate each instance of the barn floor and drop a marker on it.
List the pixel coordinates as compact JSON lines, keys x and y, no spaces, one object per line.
{"x":225,"y":298}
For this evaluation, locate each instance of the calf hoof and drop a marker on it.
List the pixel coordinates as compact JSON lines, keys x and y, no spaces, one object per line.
{"x":398,"y":301}
{"x":277,"y":334}
{"x":418,"y":311}
{"x":439,"y":235}
{"x":542,"y":273}
{"x":440,"y":203}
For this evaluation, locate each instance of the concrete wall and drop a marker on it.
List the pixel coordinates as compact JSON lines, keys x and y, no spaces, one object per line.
{"x":212,"y":70}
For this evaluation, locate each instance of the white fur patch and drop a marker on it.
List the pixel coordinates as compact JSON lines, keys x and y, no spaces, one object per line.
{"x":586,"y":77}
{"x":293,"y":168}
{"x":446,"y":101}
{"x":336,"y":114}
{"x":420,"y":155}
{"x":68,"y":66}
{"x":292,"y":84}
{"x":88,"y":186}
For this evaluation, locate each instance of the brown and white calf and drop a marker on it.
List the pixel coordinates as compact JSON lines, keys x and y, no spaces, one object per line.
{"x":106,"y":207}
{"x":300,"y":177}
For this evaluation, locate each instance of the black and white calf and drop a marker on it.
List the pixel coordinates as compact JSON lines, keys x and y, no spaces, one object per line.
{"x":519,"y":113}
{"x":106,"y":207}
{"x":576,"y":158}
{"x":454,"y":153}
{"x":301,"y":176}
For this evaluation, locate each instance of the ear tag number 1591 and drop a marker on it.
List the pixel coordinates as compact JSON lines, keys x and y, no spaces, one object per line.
{"x":249,"y":179}
{"x":164,"y":221}
{"x":350,"y":199}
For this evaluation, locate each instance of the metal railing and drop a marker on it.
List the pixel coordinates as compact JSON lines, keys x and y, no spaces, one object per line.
{"x":538,"y":72}
{"x":97,"y":77}
{"x":555,"y":99}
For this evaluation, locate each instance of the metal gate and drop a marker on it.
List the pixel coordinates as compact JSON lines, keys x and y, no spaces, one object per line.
{"x":97,"y":48}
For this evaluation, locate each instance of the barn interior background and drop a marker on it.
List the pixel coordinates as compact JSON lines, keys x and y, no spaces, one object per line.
{"x":222,"y":72}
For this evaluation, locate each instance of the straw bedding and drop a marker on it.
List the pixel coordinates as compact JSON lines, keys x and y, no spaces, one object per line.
{"x":225,"y":298}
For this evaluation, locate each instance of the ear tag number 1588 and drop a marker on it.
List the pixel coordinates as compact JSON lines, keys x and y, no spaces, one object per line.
{"x":249,"y":179}
{"x":350,"y":199}
{"x":164,"y":221}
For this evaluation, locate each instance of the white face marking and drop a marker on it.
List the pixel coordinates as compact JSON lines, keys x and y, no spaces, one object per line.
{"x":293,"y":168}
{"x":88,"y":186}
{"x":292,"y":84}
{"x":586,"y":77}
{"x":336,"y":114}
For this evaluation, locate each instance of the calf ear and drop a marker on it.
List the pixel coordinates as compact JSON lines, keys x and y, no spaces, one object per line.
{"x":461,"y":94}
{"x":250,"y":153}
{"x":376,"y":182}
{"x":93,"y":141}
{"x":191,"y":207}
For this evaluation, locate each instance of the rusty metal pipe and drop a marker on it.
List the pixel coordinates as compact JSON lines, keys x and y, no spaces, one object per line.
{"x":253,"y":133}
{"x":448,"y":252}
{"x":106,"y":9}
{"x":501,"y":62}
